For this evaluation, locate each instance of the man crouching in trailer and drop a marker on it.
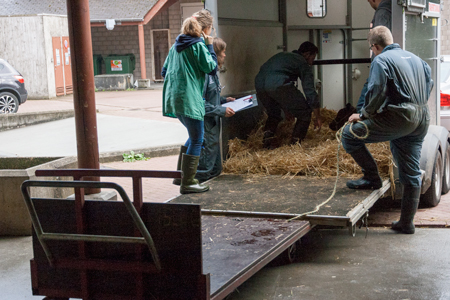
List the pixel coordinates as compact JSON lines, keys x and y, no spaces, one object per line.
{"x":395,"y":110}
{"x":276,"y":90}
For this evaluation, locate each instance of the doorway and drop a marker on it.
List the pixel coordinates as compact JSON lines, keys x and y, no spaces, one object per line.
{"x":161,"y":45}
{"x":62,"y":65}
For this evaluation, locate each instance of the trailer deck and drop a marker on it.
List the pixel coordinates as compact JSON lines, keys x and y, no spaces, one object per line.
{"x":285,"y":197}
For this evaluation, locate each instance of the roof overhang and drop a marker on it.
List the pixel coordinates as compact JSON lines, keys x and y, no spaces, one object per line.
{"x":160,"y":5}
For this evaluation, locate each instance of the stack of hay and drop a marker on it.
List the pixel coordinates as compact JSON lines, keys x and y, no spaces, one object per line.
{"x":315,"y":156}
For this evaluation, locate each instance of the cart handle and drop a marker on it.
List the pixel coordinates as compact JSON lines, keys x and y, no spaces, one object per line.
{"x":43,"y":236}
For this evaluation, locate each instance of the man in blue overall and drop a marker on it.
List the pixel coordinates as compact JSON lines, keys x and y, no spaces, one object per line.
{"x":395,"y":110}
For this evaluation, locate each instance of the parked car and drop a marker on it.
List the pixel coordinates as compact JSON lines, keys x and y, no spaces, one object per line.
{"x":12,"y":88}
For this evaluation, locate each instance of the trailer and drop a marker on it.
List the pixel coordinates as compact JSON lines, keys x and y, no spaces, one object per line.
{"x":256,"y":30}
{"x":94,"y":249}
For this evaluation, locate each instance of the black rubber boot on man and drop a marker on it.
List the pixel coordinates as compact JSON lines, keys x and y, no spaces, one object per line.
{"x":410,"y":202}
{"x":189,"y":184}
{"x":183,"y":149}
{"x":371,"y":178}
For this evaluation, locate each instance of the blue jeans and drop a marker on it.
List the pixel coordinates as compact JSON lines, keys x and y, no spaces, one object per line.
{"x":195,"y":130}
{"x":405,"y":133}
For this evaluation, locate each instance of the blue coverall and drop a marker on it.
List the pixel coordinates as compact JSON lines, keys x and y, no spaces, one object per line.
{"x":396,"y":110}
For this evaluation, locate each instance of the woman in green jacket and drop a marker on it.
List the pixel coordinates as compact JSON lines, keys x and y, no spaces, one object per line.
{"x":190,"y":58}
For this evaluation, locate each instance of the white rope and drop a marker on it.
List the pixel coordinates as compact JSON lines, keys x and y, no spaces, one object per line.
{"x":339,"y":138}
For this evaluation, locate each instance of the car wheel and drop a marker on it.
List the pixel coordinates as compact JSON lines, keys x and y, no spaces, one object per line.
{"x":432,"y":196}
{"x":8,"y":103}
{"x":446,"y":175}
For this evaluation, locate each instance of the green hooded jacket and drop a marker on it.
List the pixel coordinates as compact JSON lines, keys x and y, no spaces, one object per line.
{"x":185,"y":67}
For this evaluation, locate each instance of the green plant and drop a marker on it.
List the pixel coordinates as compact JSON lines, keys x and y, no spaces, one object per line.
{"x":131,"y":157}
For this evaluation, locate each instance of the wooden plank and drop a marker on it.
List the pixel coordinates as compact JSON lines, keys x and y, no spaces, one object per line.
{"x":277,"y":194}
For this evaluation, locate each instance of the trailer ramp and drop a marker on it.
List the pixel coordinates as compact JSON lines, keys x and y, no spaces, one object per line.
{"x":286,"y":197}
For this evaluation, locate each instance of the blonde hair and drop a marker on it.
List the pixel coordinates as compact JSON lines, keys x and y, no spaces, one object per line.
{"x":380,"y":36}
{"x":198,"y":22}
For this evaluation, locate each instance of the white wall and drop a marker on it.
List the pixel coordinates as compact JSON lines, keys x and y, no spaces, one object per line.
{"x":247,"y":50}
{"x":25,"y":42}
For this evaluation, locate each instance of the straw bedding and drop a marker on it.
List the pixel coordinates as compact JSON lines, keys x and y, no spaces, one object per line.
{"x":315,"y":156}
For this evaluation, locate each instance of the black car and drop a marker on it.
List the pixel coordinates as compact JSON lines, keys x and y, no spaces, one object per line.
{"x":12,"y":88}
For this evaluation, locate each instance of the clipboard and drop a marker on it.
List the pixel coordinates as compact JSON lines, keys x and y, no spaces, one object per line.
{"x":240,"y":103}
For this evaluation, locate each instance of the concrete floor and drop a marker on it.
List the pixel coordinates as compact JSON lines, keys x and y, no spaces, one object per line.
{"x":332,"y":265}
{"x":384,"y":266}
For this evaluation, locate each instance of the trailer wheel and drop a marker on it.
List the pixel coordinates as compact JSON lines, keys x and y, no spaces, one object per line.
{"x":446,"y":171}
{"x":288,"y":256}
{"x":432,"y":196}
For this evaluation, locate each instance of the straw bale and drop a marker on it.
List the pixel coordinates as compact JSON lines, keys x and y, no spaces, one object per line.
{"x":315,"y":156}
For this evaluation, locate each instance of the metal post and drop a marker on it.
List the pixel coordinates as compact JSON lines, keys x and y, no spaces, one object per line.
{"x":83,"y":86}
{"x":142,"y":51}
{"x":283,"y":19}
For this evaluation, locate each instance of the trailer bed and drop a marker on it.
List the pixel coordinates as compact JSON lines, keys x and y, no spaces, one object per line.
{"x":285,"y":197}
{"x":235,"y":248}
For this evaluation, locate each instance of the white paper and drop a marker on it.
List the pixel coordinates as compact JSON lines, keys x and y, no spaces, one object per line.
{"x":240,"y":103}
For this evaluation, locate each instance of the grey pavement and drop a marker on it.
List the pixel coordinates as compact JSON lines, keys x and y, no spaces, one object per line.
{"x":126,"y":120}
{"x":331,"y":265}
{"x":335,"y":266}
{"x":57,"y":138}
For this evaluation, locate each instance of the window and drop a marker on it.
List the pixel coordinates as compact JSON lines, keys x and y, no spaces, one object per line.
{"x":316,"y":8}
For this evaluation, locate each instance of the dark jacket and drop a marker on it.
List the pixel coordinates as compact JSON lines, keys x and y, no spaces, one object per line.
{"x":382,"y":16}
{"x":284,"y":68}
{"x":399,"y":81}
{"x":210,"y":164}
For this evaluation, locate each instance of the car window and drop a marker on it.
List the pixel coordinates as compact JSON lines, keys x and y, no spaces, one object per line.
{"x":445,"y":71}
{"x":2,"y":69}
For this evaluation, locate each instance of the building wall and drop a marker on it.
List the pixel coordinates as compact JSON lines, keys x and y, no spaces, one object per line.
{"x":445,"y":27}
{"x":125,"y":39}
{"x":26,"y":43}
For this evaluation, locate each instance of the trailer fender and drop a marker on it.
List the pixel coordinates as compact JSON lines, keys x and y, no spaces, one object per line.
{"x":442,"y":134}
{"x":431,"y":145}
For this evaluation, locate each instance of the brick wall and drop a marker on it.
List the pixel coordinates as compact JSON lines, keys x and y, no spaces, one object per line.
{"x":125,"y":39}
{"x":445,"y":27}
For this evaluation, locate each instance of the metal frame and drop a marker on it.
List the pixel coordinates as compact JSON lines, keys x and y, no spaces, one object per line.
{"x":44,"y":236}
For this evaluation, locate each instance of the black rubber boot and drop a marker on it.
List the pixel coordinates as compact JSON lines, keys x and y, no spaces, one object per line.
{"x":189,"y":184}
{"x":183,"y":149}
{"x":410,"y":202}
{"x":371,"y":178}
